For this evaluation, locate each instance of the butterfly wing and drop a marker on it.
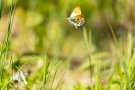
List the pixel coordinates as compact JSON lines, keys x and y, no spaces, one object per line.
{"x":15,"y":76}
{"x":77,"y":20}
{"x":22,"y":76}
{"x":76,"y":11}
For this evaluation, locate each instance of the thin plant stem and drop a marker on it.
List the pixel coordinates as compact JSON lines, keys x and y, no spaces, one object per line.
{"x":46,"y":65}
{"x":60,"y":81}
{"x":54,"y":78}
{"x":88,"y":46}
{"x":1,"y":1}
{"x":5,"y":44}
{"x":112,"y":32}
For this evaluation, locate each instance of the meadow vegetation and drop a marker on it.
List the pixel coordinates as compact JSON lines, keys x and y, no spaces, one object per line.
{"x":38,"y":43}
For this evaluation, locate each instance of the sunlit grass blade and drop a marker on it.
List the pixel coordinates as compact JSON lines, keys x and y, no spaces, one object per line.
{"x":112,"y":32}
{"x":129,"y":42}
{"x":88,"y":45}
{"x":124,"y":68}
{"x":60,"y":82}
{"x":5,"y":44}
{"x":1,"y":8}
{"x":54,"y":78}
{"x":97,"y":75}
{"x":45,"y":73}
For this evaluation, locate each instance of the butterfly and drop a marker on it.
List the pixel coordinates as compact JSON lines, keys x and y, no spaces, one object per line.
{"x":20,"y":76}
{"x":76,"y":18}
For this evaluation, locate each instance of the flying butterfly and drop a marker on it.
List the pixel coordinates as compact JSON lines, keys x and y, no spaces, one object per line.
{"x":76,"y":18}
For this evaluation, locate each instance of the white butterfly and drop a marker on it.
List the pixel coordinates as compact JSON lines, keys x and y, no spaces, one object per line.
{"x":20,"y":76}
{"x":76,"y":18}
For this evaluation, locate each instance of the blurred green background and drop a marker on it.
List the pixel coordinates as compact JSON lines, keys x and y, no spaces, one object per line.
{"x":40,"y":27}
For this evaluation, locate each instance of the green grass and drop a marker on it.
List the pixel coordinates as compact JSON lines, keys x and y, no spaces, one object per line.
{"x":107,"y":70}
{"x":94,"y":71}
{"x":1,"y":8}
{"x":4,"y":53}
{"x":5,"y":45}
{"x":124,"y":58}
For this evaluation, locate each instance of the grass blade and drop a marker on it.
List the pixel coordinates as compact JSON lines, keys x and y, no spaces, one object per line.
{"x":54,"y":78}
{"x":0,"y":8}
{"x":5,"y":44}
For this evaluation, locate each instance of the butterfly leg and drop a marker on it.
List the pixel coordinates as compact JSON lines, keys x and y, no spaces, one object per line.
{"x":75,"y":26}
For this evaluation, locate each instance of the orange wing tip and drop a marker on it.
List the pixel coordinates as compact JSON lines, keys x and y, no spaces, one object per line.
{"x":76,"y":11}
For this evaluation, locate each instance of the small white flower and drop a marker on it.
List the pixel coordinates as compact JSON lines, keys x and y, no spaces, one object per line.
{"x":20,"y":76}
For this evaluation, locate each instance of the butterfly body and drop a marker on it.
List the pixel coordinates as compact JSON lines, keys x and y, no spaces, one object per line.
{"x":76,"y":18}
